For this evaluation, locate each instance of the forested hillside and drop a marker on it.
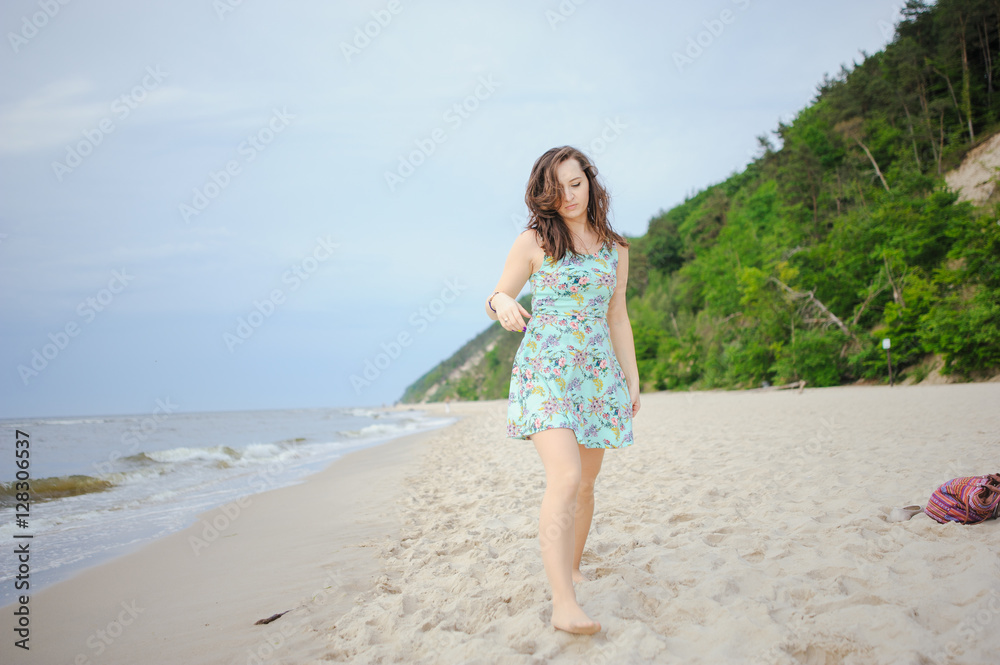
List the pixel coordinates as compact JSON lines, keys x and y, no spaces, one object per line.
{"x":840,"y":233}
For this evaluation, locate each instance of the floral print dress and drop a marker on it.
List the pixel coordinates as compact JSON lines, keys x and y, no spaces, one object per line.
{"x":565,"y":372}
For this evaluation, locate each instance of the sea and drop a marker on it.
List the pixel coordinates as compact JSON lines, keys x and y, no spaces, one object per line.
{"x":104,"y":486}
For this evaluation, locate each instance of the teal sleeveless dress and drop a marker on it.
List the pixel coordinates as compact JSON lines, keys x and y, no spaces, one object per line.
{"x":565,"y":372}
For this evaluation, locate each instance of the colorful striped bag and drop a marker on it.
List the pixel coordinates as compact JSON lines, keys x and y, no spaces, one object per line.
{"x":966,"y":500}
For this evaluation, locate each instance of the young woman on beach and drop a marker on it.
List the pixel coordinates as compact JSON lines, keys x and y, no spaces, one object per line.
{"x":574,"y":385}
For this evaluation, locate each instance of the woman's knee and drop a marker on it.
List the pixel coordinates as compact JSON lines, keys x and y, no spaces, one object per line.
{"x":564,"y":483}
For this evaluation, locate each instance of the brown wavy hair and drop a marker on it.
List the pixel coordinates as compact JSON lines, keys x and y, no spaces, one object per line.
{"x":544,"y":198}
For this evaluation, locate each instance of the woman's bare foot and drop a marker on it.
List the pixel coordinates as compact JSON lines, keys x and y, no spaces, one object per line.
{"x":579,"y":577}
{"x":573,"y":619}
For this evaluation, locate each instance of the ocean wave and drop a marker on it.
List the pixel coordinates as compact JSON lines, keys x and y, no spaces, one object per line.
{"x":362,"y":412}
{"x":187,"y":454}
{"x":145,"y":466}
{"x":219,"y":457}
{"x":263,"y":451}
{"x":134,"y":476}
{"x":377,"y":429}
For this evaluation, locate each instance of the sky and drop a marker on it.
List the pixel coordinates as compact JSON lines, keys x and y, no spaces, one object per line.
{"x":241,"y":204}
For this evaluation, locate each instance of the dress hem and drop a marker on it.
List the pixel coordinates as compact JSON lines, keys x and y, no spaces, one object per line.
{"x":526,"y":437}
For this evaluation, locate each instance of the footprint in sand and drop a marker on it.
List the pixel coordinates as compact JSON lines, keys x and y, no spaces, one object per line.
{"x":717,"y":536}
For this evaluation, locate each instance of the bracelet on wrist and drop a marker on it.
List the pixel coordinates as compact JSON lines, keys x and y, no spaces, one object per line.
{"x":489,"y":301}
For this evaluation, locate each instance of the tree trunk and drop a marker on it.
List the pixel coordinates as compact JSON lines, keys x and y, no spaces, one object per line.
{"x":984,"y":42}
{"x":941,"y":148}
{"x":897,"y":295}
{"x":966,"y":81}
{"x":951,"y":90}
{"x":996,"y":5}
{"x":913,"y":138}
{"x":840,"y":190}
{"x":927,"y":119}
{"x":872,"y":293}
{"x":831,"y":317}
{"x":874,"y":163}
{"x":815,"y":200}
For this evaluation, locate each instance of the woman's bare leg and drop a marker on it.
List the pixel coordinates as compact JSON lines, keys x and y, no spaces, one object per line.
{"x":561,"y":457}
{"x":590,"y":466}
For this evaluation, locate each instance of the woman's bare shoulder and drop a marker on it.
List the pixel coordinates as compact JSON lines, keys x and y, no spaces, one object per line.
{"x":622,"y":251}
{"x":528,"y":247}
{"x":528,"y":244}
{"x":531,"y":238}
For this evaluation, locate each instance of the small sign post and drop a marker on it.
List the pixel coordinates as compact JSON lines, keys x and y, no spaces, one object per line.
{"x":888,"y":357}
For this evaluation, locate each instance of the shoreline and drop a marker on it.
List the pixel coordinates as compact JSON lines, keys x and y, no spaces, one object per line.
{"x":743,"y":527}
{"x":189,"y":589}
{"x":109,"y":509}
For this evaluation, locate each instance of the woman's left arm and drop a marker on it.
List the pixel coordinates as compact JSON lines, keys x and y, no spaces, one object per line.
{"x":621,"y":329}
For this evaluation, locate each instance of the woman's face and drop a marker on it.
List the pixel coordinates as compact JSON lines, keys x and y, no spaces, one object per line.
{"x":575,"y":190}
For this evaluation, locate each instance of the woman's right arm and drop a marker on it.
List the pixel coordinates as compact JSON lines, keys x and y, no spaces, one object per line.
{"x":516,"y":271}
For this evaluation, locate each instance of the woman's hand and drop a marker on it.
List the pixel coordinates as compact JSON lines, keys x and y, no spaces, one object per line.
{"x":510,"y":313}
{"x":634,"y":395}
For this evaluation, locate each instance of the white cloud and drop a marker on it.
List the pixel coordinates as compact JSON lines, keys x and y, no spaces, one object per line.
{"x":50,"y":116}
{"x":61,"y":112}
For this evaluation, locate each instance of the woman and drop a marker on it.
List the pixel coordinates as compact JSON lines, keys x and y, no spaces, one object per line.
{"x":574,"y":385}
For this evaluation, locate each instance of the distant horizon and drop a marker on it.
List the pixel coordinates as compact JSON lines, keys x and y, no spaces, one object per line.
{"x":247,"y":206}
{"x":199,"y":411}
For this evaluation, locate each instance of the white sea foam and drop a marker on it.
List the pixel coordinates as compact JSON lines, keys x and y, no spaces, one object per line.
{"x":185,"y":454}
{"x":163,"y":480}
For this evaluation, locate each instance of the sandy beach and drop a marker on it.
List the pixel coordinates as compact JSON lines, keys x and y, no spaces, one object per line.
{"x":742,"y":527}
